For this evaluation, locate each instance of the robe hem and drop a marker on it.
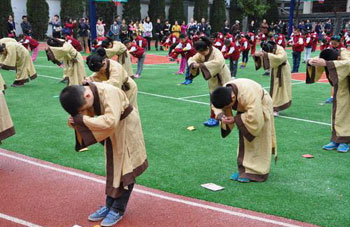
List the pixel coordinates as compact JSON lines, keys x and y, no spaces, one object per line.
{"x":257,"y":61}
{"x":7,"y":67}
{"x":7,"y":133}
{"x":283,"y":107}
{"x":86,"y":134}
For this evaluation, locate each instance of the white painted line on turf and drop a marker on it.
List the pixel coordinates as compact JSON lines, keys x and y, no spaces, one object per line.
{"x":194,"y":96}
{"x":204,"y":103}
{"x":141,"y":191}
{"x":17,"y":220}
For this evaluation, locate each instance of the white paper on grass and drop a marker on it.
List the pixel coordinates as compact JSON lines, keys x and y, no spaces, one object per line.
{"x":212,"y":187}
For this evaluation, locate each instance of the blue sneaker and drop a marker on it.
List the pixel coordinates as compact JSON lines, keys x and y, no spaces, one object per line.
{"x":234,"y":176}
{"x":329,"y":100}
{"x":330,"y":146}
{"x":99,"y":214}
{"x":211,"y":122}
{"x":343,"y":148}
{"x":112,"y":218}
{"x":186,"y":82}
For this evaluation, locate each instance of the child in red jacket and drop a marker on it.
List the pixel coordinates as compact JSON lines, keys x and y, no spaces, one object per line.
{"x":231,"y":52}
{"x":139,"y":53}
{"x":298,"y":44}
{"x":30,"y":43}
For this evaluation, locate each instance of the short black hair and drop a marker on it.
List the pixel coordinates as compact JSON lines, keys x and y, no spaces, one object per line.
{"x":55,"y":42}
{"x":72,"y":99}
{"x":126,"y":41}
{"x":329,"y":54}
{"x":57,"y":16}
{"x":221,"y":97}
{"x":182,"y":36}
{"x":227,"y":42}
{"x":95,"y":61}
{"x":202,"y":44}
{"x":24,"y":16}
{"x":106,"y":43}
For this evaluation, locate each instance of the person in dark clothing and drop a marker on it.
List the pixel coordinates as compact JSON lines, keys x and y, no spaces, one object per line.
{"x":83,"y":33}
{"x":11,"y":27}
{"x":252,"y":27}
{"x":56,"y":26}
{"x":166,"y":28}
{"x":203,"y":26}
{"x":123,"y":30}
{"x":226,"y":27}
{"x":158,"y":29}
{"x":26,"y":26}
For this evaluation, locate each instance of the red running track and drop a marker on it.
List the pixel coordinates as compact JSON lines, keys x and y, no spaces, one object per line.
{"x":39,"y":193}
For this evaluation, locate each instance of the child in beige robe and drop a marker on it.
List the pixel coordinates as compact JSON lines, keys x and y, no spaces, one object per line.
{"x":274,"y":58}
{"x":60,"y":52}
{"x":6,"y":124}
{"x":214,"y":69}
{"x":14,"y":56}
{"x":255,"y":123}
{"x":101,"y":113}
{"x":116,"y":48}
{"x":336,"y":64}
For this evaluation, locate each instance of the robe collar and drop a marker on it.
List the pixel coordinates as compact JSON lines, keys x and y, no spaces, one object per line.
{"x":96,"y":104}
{"x":235,"y":91}
{"x":108,"y":73}
{"x":210,"y":52}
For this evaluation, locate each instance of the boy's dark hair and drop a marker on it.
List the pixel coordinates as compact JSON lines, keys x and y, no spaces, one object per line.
{"x":221,"y":97}
{"x":24,"y":16}
{"x":227,"y":42}
{"x":329,"y":54}
{"x":268,"y":46}
{"x":57,"y":16}
{"x":202,"y":44}
{"x":2,"y":47}
{"x":126,"y":41}
{"x":95,"y":62}
{"x":182,"y":36}
{"x":72,"y":99}
{"x":53,"y":42}
{"x":106,"y":43}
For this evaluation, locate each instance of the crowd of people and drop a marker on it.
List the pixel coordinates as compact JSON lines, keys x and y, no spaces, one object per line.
{"x":108,"y":112}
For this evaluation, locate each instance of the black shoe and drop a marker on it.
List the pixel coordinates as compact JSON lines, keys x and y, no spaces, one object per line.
{"x":17,"y":85}
{"x":64,"y":81}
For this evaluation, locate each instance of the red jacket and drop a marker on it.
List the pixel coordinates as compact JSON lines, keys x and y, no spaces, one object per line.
{"x":218,"y":43}
{"x":298,"y":43}
{"x":186,"y":49}
{"x":230,"y":37}
{"x":220,"y":36}
{"x":252,"y":42}
{"x":140,"y":41}
{"x":281,"y":40}
{"x":70,"y":26}
{"x":28,"y":41}
{"x":308,"y":41}
{"x":245,"y":45}
{"x":262,"y":36}
{"x":314,"y":41}
{"x":136,"y":50}
{"x":231,"y":52}
{"x":325,"y":45}
{"x":75,"y":43}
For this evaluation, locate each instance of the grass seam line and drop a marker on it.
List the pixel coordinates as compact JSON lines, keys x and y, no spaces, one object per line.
{"x":17,"y":220}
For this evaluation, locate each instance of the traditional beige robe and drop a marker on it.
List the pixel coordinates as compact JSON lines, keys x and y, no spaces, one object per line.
{"x":72,"y":60}
{"x":255,"y":122}
{"x":114,"y":123}
{"x":124,"y":58}
{"x":6,"y":125}
{"x":213,"y":68}
{"x":8,"y":40}
{"x":2,"y":84}
{"x":281,"y":76}
{"x":19,"y":59}
{"x":338,"y":74}
{"x":116,"y":75}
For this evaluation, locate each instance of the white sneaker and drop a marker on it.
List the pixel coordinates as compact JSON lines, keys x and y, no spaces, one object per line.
{"x":276,"y":113}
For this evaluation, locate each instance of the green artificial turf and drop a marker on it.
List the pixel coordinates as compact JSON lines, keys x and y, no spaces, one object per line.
{"x":311,"y":190}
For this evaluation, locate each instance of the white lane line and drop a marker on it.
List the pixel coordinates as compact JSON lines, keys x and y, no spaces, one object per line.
{"x":204,"y":103}
{"x":194,"y":96}
{"x":51,"y":77}
{"x":17,"y":220}
{"x":145,"y":67}
{"x":141,"y":191}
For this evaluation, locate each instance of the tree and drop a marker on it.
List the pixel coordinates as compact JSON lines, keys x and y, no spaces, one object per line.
{"x":217,"y":15}
{"x":107,"y":11}
{"x":176,"y":11}
{"x":156,"y":9}
{"x":5,"y":11}
{"x":236,"y":13}
{"x":272,"y":14}
{"x":200,"y":9}
{"x":38,"y":16}
{"x":72,"y":9}
{"x":132,"y":10}
{"x":253,"y":8}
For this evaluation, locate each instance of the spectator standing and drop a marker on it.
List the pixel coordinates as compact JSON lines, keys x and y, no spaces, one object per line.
{"x":26,"y":26}
{"x":159,"y":33}
{"x":184,"y":28}
{"x":138,"y":28}
{"x":176,"y":29}
{"x":56,"y":26}
{"x":328,"y":27}
{"x":166,"y":28}
{"x":308,"y":26}
{"x":147,"y":31}
{"x":69,"y":25}
{"x":100,"y":28}
{"x":114,"y":30}
{"x":83,"y":34}
{"x":236,"y":28}
{"x":264,"y":28}
{"x":226,"y":27}
{"x":123,"y":30}
{"x":192,"y":28}
{"x":252,"y":27}
{"x":11,"y":27}
{"x":203,"y":26}
{"x":131,"y":28}
{"x":318,"y":30}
